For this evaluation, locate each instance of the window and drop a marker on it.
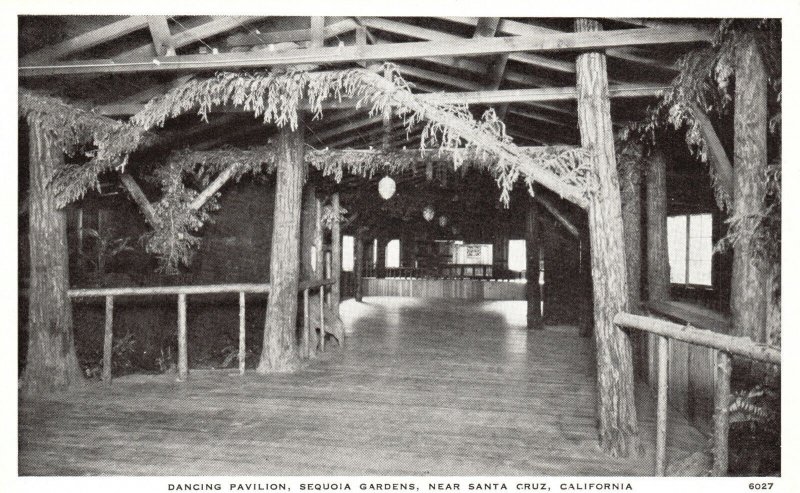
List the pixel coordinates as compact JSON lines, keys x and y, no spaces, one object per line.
{"x":347,"y":253}
{"x":516,"y":255}
{"x":393,"y":254}
{"x":690,"y":249}
{"x":472,"y":253}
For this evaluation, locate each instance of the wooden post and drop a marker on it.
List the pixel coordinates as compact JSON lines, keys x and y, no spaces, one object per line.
{"x":631,"y":196}
{"x":336,"y":255}
{"x":108,"y":340}
{"x":279,"y":351}
{"x":358,"y":265}
{"x":380,"y":260}
{"x":242,"y":349}
{"x":319,"y":260}
{"x":308,"y":231}
{"x":661,"y":406}
{"x":306,"y":325}
{"x":748,"y":283}
{"x":616,"y":410}
{"x":657,"y":251}
{"x":183,"y":357}
{"x":722,"y":393}
{"x":322,"y":318}
{"x":532,"y":247}
{"x":51,"y":362}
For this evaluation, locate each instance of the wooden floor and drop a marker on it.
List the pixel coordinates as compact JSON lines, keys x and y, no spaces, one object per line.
{"x":440,"y":387}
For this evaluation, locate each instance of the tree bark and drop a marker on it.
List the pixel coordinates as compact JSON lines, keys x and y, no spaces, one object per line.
{"x":279,"y":352}
{"x":657,"y":249}
{"x":631,"y":196}
{"x":358,"y":265}
{"x":618,"y":428}
{"x":748,"y":284}
{"x":585,"y":287}
{"x":532,"y":246}
{"x":51,"y":362}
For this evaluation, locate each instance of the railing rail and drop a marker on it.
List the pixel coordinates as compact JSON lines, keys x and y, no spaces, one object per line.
{"x":726,"y":346}
{"x":182,"y":292}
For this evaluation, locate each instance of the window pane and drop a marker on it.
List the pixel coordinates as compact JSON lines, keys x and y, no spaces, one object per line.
{"x":347,"y":253}
{"x":676,"y":241}
{"x":393,"y":254}
{"x":516,"y":255}
{"x":701,"y":249}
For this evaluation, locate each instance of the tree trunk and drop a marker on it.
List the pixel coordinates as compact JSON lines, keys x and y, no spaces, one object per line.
{"x":618,"y":428}
{"x":358,"y":265}
{"x":631,"y":196}
{"x":279,"y":352}
{"x":657,"y":250}
{"x":532,"y":246}
{"x":748,"y":285}
{"x":51,"y":363}
{"x":585,"y":287}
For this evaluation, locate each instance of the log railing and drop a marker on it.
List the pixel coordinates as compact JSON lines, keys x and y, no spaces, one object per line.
{"x":725,"y":346}
{"x":182,"y":291}
{"x":485,"y":272}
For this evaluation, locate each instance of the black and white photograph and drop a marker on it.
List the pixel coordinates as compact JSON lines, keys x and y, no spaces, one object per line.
{"x":261,"y":245}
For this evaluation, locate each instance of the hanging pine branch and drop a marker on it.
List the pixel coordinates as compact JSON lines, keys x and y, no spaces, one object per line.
{"x":278,"y":99}
{"x":105,"y":141}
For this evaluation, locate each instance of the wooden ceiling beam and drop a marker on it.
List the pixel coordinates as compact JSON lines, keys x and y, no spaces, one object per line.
{"x":215,"y":26}
{"x":87,"y":40}
{"x":541,"y":94}
{"x":298,"y":35}
{"x":431,"y":35}
{"x":162,"y":37}
{"x":575,"y":41}
{"x":517,"y":28}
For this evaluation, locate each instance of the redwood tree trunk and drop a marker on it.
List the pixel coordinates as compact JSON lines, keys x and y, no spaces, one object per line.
{"x":532,"y":246}
{"x":748,"y":285}
{"x":630,"y":190}
{"x":657,"y":250}
{"x":51,"y":363}
{"x":618,"y":428}
{"x":279,"y":352}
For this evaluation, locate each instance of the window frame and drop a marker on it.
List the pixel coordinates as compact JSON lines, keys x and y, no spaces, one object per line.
{"x":687,"y":257}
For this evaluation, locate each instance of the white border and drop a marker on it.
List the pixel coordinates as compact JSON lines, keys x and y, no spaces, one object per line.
{"x":786,"y":9}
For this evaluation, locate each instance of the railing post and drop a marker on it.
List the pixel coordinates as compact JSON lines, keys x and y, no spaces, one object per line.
{"x":661,"y":406}
{"x":722,"y":393}
{"x":242,"y":349}
{"x":108,"y":340}
{"x":306,"y":325}
{"x":183,"y":359}
{"x":322,"y":318}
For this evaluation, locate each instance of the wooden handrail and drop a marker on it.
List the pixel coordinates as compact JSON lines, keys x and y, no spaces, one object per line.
{"x":162,"y":290}
{"x":740,"y":346}
{"x":182,"y":292}
{"x":725,"y":346}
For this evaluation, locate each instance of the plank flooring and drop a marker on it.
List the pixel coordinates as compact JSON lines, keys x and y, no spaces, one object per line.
{"x":422,"y":387}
